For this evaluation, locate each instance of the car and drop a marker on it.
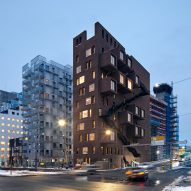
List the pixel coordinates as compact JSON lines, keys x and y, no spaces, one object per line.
{"x":137,"y":173}
{"x":146,"y":165}
{"x":85,"y":170}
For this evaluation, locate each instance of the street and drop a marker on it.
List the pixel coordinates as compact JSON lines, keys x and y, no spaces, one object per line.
{"x":104,"y":181}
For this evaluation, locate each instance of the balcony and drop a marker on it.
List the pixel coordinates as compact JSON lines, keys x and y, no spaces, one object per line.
{"x":108,"y":62}
{"x":133,"y":131}
{"x":125,"y":118}
{"x":122,"y":84}
{"x":106,"y":87}
{"x":123,"y":65}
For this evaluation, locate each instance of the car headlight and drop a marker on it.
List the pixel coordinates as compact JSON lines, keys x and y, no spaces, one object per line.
{"x":129,"y":172}
{"x":141,"y":173}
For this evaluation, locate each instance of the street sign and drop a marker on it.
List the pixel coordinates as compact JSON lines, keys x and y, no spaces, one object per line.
{"x":182,"y":142}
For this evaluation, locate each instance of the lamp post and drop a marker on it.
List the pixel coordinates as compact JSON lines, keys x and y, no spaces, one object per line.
{"x":62,"y":123}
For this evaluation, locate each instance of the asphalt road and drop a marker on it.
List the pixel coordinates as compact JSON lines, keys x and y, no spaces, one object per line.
{"x":101,"y":182}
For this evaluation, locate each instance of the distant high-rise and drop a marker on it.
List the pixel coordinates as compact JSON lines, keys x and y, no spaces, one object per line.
{"x":11,"y":126}
{"x":111,"y":101}
{"x":158,"y":117}
{"x":165,"y":92}
{"x":47,"y":99}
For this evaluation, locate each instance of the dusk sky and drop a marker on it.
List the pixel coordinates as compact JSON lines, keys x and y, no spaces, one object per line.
{"x":156,"y":33}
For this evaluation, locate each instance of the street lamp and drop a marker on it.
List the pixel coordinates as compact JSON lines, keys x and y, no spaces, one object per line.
{"x":62,"y":123}
{"x":108,"y":132}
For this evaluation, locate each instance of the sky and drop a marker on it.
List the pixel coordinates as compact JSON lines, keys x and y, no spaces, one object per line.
{"x":156,"y":33}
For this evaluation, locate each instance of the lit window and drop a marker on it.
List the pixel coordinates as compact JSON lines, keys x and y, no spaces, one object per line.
{"x":8,"y":131}
{"x":121,"y":55}
{"x":2,"y":117}
{"x":81,"y":91}
{"x":21,"y":132}
{"x":13,"y":125}
{"x":80,"y":138}
{"x":78,"y":69}
{"x":129,"y":118}
{"x":8,"y":125}
{"x":21,"y":121}
{"x":93,"y":124}
{"x":113,"y":85}
{"x":2,"y":143}
{"x":13,"y":119}
{"x":90,"y":112}
{"x":121,"y":79}
{"x":88,"y":100}
{"x":85,"y":150}
{"x":137,"y":79}
{"x":81,"y":126}
{"x":86,"y":137}
{"x":17,"y":132}
{"x":88,"y":52}
{"x":2,"y":130}
{"x":21,"y":126}
{"x":136,"y":130}
{"x":129,"y":63}
{"x":18,"y":126}
{"x":93,"y":74}
{"x":83,"y":114}
{"x":91,"y":87}
{"x":8,"y":119}
{"x":130,"y":84}
{"x":2,"y":149}
{"x":17,"y":120}
{"x":88,"y":64}
{"x":142,"y":113}
{"x":2,"y":137}
{"x":113,"y":60}
{"x":2,"y":124}
{"x":81,"y":80}
{"x":92,"y":136}
{"x":136,"y":110}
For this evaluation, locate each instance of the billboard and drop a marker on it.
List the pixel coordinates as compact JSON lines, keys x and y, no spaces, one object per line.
{"x":157,"y":141}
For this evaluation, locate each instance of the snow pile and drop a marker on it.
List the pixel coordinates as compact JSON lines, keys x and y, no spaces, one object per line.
{"x":179,"y":184}
{"x":28,"y":173}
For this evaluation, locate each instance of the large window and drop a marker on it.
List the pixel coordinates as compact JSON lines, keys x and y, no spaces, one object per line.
{"x":136,"y":110}
{"x":80,"y":80}
{"x":113,"y":60}
{"x":136,"y":130}
{"x":85,"y":150}
{"x":129,"y":63}
{"x":112,"y":136}
{"x":122,"y":79}
{"x":93,"y":74}
{"x":92,"y":136}
{"x":78,"y":69}
{"x":88,"y":64}
{"x":81,"y":91}
{"x":88,"y":100}
{"x":83,"y":114}
{"x":130,"y":84}
{"x":80,"y":126}
{"x":142,"y":132}
{"x":88,"y":52}
{"x":93,"y":124}
{"x":80,"y":137}
{"x":91,"y":87}
{"x":129,"y":117}
{"x":137,"y":79}
{"x":113,"y":85}
{"x":142,"y":113}
{"x":121,"y":55}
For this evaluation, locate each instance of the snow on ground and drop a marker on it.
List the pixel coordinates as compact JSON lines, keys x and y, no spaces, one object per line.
{"x":180,"y":184}
{"x":28,"y":173}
